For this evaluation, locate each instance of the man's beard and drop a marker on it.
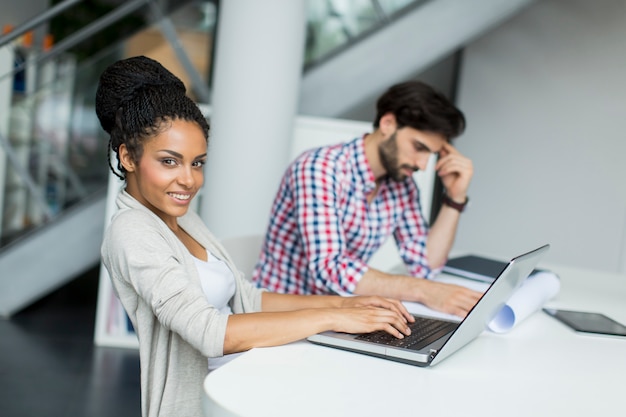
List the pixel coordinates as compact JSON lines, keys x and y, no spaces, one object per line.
{"x":388,"y":152}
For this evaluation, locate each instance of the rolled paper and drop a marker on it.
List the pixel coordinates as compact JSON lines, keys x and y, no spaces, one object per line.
{"x":536,"y":290}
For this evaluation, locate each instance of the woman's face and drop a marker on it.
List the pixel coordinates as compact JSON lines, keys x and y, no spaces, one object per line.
{"x":170,"y":170}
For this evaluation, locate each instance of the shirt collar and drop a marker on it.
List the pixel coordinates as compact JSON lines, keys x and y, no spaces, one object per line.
{"x":363,"y":171}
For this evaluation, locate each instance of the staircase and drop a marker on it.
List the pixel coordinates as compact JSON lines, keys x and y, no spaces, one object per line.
{"x":392,"y":45}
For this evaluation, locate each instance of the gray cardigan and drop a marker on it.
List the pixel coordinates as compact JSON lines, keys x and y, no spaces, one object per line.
{"x":156,"y":279}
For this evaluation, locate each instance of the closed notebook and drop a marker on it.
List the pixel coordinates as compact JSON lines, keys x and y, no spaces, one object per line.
{"x":474,"y":267}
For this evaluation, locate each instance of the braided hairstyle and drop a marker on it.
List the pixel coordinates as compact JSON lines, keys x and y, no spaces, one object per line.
{"x":137,"y":98}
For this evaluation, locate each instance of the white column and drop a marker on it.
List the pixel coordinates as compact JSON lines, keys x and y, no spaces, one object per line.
{"x":256,"y":85}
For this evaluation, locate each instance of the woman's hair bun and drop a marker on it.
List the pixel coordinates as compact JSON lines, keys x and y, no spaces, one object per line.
{"x":122,"y":82}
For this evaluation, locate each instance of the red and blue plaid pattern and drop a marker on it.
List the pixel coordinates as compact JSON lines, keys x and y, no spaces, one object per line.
{"x":322,"y":231}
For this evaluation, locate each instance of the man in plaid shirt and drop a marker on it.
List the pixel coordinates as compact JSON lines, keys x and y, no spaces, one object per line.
{"x":337,"y":205}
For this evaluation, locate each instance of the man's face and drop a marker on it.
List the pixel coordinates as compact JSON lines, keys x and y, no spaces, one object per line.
{"x":407,"y":150}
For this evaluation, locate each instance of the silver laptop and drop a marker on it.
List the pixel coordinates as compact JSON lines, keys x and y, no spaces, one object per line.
{"x":434,"y":339}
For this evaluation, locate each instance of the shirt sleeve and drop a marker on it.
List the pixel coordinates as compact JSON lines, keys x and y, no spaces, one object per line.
{"x":139,"y":256}
{"x":411,"y":236}
{"x":317,"y":184}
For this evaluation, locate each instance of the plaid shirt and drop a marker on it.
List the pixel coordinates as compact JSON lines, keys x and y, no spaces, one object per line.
{"x":322,"y":231}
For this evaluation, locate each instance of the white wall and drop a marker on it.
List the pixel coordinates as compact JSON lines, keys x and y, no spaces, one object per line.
{"x":545,"y":98}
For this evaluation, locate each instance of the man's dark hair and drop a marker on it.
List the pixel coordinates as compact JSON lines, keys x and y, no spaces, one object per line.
{"x":419,"y":106}
{"x":136,"y":99}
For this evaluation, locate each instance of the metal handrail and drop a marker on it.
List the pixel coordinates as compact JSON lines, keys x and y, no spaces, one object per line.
{"x":166,"y":26}
{"x":168,"y":30}
{"x":82,"y":34}
{"x":61,"y":47}
{"x":380,"y":12}
{"x":37,"y":20}
{"x":94,"y":27}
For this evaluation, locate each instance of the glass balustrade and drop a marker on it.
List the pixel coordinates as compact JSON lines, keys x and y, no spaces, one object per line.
{"x":334,"y":25}
{"x":53,"y":149}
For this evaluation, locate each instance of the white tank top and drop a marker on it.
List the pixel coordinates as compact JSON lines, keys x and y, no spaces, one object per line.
{"x":218,"y":284}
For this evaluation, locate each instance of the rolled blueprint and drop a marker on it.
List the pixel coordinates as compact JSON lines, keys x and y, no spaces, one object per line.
{"x":530,"y":297}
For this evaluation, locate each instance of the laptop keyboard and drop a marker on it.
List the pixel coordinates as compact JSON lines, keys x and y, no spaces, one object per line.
{"x":423,"y":332}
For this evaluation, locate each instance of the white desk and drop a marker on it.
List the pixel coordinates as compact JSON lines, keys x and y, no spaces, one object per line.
{"x":540,"y":368}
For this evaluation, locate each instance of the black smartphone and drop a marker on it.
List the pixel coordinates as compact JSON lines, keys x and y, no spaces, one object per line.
{"x":587,"y":322}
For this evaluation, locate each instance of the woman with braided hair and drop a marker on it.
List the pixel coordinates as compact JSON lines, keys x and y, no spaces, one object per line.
{"x":187,"y":301}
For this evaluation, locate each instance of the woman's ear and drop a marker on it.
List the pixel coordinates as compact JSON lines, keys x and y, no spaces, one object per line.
{"x":126,"y":158}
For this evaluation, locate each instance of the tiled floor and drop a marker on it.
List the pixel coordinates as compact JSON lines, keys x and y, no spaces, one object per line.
{"x":50,"y":367}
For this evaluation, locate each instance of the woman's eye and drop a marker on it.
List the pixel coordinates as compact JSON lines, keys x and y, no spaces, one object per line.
{"x":169,"y":161}
{"x":199,"y":163}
